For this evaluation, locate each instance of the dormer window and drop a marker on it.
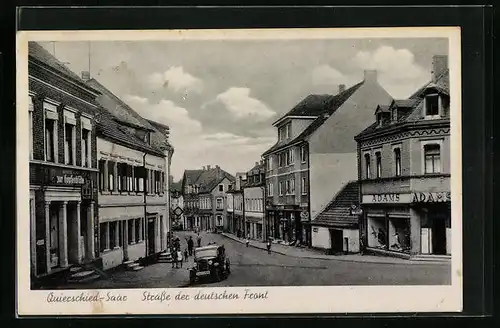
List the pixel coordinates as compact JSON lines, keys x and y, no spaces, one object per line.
{"x":284,"y":132}
{"x":394,"y":114}
{"x":432,"y":106}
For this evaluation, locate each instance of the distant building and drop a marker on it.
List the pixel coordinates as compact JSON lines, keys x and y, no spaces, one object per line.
{"x":237,"y":226}
{"x":253,"y":200}
{"x":315,"y":157}
{"x":63,"y":167}
{"x":205,"y":197}
{"x":404,"y":165}
{"x":177,"y":206}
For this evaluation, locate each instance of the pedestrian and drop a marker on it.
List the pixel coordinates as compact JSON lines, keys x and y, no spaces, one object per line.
{"x":186,"y":254}
{"x":199,"y":241}
{"x":190,"y":245}
{"x":269,"y":246}
{"x":247,"y":242}
{"x":179,"y":257}
{"x":174,"y":258}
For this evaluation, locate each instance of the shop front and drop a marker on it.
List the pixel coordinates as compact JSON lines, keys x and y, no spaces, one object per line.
{"x":64,"y":229}
{"x":287,"y":220}
{"x":407,"y":224}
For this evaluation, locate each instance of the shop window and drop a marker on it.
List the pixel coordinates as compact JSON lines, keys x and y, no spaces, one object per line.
{"x":50,"y":151}
{"x":69,"y":144}
{"x":139,"y":177}
{"x":399,"y":235}
{"x":103,"y":232}
{"x":219,"y":221}
{"x":130,"y":184}
{"x":113,"y":230}
{"x":137,"y":227}
{"x":368,"y":170}
{"x":131,"y":231}
{"x":432,"y":158}
{"x":378,"y":158}
{"x":432,"y":105}
{"x":397,"y":161}
{"x":120,"y":233}
{"x":111,"y":176}
{"x":377,"y":232}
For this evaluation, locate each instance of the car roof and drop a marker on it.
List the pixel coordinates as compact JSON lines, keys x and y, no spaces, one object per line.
{"x":206,"y":247}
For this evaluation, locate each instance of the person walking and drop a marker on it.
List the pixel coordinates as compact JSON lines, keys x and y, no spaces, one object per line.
{"x":174,"y":258}
{"x":179,"y":257}
{"x":186,"y":255}
{"x":247,"y":242}
{"x":268,"y":246}
{"x":190,"y":244}
{"x":199,"y":241}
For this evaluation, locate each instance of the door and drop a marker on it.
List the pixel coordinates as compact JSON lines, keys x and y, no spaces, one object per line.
{"x":336,"y":238}
{"x":439,"y":236}
{"x":151,"y":236}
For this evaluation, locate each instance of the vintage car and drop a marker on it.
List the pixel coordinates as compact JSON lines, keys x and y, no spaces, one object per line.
{"x":209,"y":261}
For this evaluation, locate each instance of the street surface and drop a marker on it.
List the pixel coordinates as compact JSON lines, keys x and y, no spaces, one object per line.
{"x":255,"y":267}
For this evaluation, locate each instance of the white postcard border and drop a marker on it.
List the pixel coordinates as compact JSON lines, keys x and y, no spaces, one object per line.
{"x":317,"y":299}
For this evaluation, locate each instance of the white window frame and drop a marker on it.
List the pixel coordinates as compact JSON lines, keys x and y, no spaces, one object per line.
{"x":303,"y":157}
{"x":291,"y":156}
{"x":280,"y":188}
{"x":304,"y":186}
{"x":395,"y":167}
{"x":292,"y":186}
{"x":424,"y":143}
{"x":440,"y":106}
{"x":30,"y":118}
{"x":288,"y":128}
{"x":221,"y":203}
{"x":70,"y":119}
{"x":50,"y":112}
{"x":367,"y":166}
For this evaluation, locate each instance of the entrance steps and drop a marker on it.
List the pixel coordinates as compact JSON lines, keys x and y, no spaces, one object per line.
{"x":431,"y":258}
{"x":133,"y":266}
{"x":165,"y":257}
{"x":80,"y":275}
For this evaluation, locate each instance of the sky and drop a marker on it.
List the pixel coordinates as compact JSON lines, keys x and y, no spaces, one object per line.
{"x":220,"y":97}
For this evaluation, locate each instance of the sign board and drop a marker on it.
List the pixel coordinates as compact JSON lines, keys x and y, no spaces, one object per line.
{"x":356,"y":210}
{"x":304,"y":215}
{"x":69,"y":179}
{"x":431,"y":197}
{"x":178,"y":211}
{"x":388,"y":198}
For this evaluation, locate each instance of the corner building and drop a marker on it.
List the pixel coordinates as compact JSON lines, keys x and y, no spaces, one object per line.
{"x":404,"y":166}
{"x":63,"y":167}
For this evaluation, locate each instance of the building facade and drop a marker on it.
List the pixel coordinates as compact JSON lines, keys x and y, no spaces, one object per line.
{"x":63,"y":166}
{"x":230,"y":208}
{"x":404,"y":165}
{"x":315,"y":157}
{"x":177,"y":210}
{"x":253,"y":200}
{"x":205,"y":197}
{"x":134,"y":159}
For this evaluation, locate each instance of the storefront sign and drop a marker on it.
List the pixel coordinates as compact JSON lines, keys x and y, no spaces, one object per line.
{"x":389,"y":198}
{"x":69,"y":179}
{"x":304,"y":216}
{"x":431,"y":197}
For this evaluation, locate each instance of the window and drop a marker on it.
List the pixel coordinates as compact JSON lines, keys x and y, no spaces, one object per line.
{"x":290,"y":156}
{"x":69,"y":144}
{"x":292,"y":186}
{"x":102,"y":178}
{"x":303,"y":154}
{"x":103,"y":233}
{"x":368,"y":166}
{"x":432,"y":105}
{"x":50,"y":140}
{"x":220,"y":203}
{"x":113,"y":233}
{"x":137,"y":227}
{"x":394,"y":113}
{"x":111,"y":177}
{"x":378,"y":158}
{"x":280,"y":160}
{"x":221,"y":188}
{"x":397,"y":161}
{"x":270,"y":190}
{"x":85,"y":148}
{"x":304,"y":186}
{"x":432,"y":158}
{"x":288,"y":132}
{"x":287,"y":184}
{"x":280,"y":188}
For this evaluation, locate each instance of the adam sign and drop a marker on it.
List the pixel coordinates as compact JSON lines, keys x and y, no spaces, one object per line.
{"x":431,"y":197}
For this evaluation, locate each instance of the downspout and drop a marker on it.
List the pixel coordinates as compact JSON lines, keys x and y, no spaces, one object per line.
{"x":146,"y":237}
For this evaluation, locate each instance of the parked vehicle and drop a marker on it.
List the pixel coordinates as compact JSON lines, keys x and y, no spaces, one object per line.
{"x":210,"y":261}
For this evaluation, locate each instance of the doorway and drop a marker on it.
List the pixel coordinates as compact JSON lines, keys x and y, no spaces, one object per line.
{"x":337,"y":242}
{"x":151,"y":236}
{"x":439,"y":236}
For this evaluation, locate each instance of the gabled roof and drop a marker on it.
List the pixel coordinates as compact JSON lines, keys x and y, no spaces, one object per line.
{"x":39,"y":53}
{"x":190,"y":176}
{"x":338,"y":212}
{"x":413,"y":105}
{"x":126,"y":115}
{"x":382,"y":109}
{"x":312,"y":105}
{"x":329,"y":104}
{"x":206,"y":179}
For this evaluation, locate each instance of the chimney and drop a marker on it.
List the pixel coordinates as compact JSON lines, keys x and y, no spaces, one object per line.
{"x":439,"y":65}
{"x":217,"y":167}
{"x":341,"y":88}
{"x":85,"y":75}
{"x":370,"y":76}
{"x":208,"y":167}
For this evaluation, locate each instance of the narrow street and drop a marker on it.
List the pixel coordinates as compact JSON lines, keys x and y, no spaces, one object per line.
{"x":255,"y":267}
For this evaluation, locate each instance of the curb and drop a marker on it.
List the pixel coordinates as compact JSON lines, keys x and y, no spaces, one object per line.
{"x":336,"y":259}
